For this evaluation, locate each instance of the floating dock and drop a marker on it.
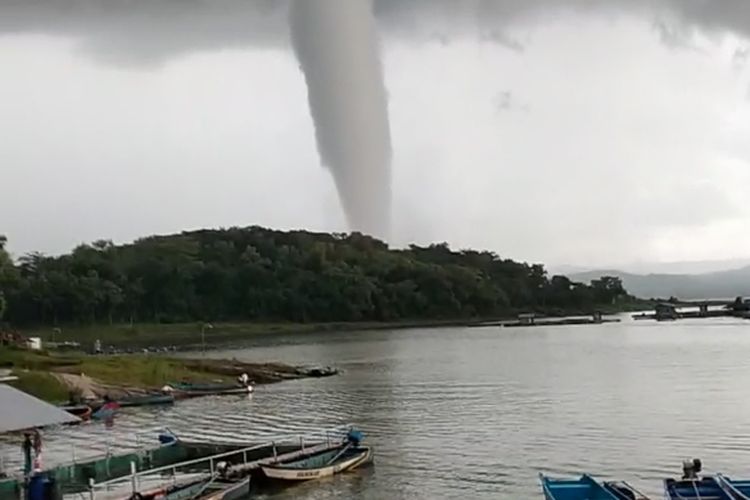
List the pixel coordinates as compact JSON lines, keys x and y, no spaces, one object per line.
{"x":531,"y":319}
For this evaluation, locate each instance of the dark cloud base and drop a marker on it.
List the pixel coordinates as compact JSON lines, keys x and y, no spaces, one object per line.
{"x":151,"y":31}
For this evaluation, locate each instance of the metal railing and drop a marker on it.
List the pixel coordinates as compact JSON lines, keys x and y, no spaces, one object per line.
{"x":208,"y":465}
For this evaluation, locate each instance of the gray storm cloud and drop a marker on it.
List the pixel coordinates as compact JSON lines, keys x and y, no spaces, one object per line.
{"x":151,"y":31}
{"x":337,"y":47}
{"x":335,"y":41}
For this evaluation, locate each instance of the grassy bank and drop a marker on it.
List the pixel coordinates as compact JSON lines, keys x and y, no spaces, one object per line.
{"x":189,"y":334}
{"x":183,"y":334}
{"x":41,"y":373}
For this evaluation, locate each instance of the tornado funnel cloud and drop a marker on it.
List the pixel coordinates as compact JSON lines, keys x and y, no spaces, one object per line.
{"x":337,"y":47}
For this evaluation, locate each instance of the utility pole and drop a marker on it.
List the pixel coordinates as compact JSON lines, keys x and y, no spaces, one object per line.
{"x":203,"y":336}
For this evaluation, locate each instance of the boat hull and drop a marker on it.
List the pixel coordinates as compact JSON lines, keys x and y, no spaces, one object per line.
{"x":719,"y":488}
{"x":182,"y":391}
{"x":286,"y":473}
{"x":149,"y":400}
{"x":586,"y":488}
{"x":234,"y":491}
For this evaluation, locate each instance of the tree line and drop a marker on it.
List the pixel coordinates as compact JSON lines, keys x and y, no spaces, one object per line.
{"x":256,"y":273}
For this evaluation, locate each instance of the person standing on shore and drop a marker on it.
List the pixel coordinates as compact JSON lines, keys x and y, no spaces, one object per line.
{"x":37,"y":464}
{"x":27,"y":446}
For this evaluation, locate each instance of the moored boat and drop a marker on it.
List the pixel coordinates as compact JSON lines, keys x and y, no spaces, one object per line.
{"x":226,"y":489}
{"x":146,"y":400}
{"x":694,"y":487}
{"x":179,"y":491}
{"x":587,"y":488}
{"x":349,"y":455}
{"x":188,"y":389}
{"x":739,"y":490}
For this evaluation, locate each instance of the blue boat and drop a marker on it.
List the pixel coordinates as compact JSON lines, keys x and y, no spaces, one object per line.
{"x":737,"y":489}
{"x":708,"y":487}
{"x":694,"y":487}
{"x":587,"y":488}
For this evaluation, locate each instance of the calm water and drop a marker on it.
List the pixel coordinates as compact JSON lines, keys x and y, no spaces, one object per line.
{"x":477,"y":413}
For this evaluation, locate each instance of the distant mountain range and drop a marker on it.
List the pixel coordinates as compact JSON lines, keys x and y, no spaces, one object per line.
{"x":715,"y":285}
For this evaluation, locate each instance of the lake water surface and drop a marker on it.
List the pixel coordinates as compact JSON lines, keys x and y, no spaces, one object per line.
{"x":479,"y":412}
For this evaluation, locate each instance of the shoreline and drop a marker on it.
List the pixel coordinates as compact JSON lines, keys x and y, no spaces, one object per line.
{"x":188,"y":336}
{"x":53,"y":377}
{"x":131,"y":368}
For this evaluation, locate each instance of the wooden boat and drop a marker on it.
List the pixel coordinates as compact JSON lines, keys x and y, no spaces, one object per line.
{"x":587,"y":488}
{"x":226,"y":489}
{"x":185,"y":490}
{"x":208,"y":487}
{"x":323,"y":464}
{"x":146,"y":400}
{"x":81,"y":411}
{"x":188,"y":389}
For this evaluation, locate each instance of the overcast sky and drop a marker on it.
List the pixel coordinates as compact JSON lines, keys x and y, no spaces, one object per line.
{"x":543,"y":130}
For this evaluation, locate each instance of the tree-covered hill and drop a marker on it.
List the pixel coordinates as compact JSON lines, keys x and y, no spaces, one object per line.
{"x":260,"y":274}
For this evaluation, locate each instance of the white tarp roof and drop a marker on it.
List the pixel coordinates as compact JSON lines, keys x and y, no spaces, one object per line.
{"x":19,"y":411}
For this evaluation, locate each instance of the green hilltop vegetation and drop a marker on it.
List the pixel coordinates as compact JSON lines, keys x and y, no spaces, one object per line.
{"x":261,"y":275}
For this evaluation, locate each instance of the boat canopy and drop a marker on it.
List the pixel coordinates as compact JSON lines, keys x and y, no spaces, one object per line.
{"x":19,"y":411}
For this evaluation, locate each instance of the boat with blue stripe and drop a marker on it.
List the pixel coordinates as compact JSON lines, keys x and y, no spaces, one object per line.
{"x":691,"y":486}
{"x":694,"y":487}
{"x":707,"y":488}
{"x":587,"y":488}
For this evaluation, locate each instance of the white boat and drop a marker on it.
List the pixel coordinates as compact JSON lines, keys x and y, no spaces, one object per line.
{"x":324,"y":464}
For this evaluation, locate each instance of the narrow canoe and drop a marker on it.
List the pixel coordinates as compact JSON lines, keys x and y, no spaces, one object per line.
{"x":190,"y":386}
{"x":587,"y":488}
{"x":318,"y":465}
{"x":146,"y":400}
{"x":225,"y":489}
{"x":185,"y":490}
{"x":184,"y":390}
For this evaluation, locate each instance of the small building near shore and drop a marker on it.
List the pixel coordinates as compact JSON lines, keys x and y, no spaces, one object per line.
{"x":665,"y":310}
{"x":527,"y":318}
{"x":34,"y":343}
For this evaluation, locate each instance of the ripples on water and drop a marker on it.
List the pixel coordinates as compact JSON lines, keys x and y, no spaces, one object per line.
{"x":477,"y":413}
